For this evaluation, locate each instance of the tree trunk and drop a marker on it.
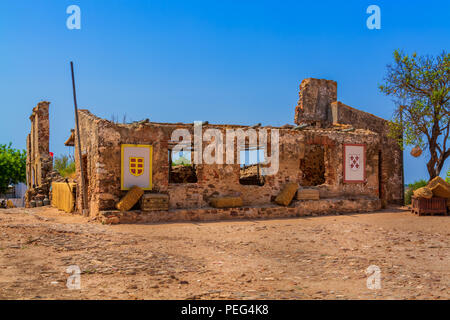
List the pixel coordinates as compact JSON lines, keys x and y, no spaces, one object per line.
{"x":436,"y":164}
{"x":431,"y":170}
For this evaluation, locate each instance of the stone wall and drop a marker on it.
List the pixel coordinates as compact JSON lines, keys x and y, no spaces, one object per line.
{"x":315,"y":98}
{"x":318,"y":106}
{"x":330,"y":126}
{"x":269,"y":211}
{"x":102,"y":139}
{"x":39,"y":163}
{"x":390,"y":152}
{"x":92,"y":166}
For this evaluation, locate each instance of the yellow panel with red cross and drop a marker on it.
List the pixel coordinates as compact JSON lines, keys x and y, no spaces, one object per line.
{"x":136,"y":166}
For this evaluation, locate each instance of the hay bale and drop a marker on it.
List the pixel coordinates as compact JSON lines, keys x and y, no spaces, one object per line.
{"x":437,"y":180}
{"x":286,"y":195}
{"x":439,"y":187}
{"x":226,"y":202}
{"x":423,"y":192}
{"x":130,"y":199}
{"x":308,"y":194}
{"x":10,"y":204}
{"x":441,"y":191}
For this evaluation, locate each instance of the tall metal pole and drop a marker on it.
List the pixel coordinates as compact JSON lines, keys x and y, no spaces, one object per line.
{"x":80,"y":157}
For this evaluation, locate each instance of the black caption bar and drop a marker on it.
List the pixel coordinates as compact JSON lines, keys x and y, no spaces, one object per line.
{"x":220,"y":309}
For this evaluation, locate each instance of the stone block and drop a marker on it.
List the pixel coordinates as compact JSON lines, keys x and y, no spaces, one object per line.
{"x":226,"y":202}
{"x":308,"y":194}
{"x":154,"y":202}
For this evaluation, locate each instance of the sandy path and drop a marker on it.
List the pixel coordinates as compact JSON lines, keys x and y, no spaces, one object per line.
{"x":301,"y":258}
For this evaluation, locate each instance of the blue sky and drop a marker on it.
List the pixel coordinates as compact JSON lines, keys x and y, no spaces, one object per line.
{"x":221,"y":61}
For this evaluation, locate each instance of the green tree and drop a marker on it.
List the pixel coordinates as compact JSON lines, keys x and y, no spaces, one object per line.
{"x":64,"y":165}
{"x":448,"y":176}
{"x":12,"y":166}
{"x":413,"y":187}
{"x":420,"y":87}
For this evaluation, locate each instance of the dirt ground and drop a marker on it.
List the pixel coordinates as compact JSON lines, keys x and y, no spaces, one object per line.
{"x":301,"y":258}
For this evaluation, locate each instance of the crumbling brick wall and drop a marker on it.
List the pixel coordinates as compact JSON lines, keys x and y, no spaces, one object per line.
{"x":92,"y":167}
{"x":39,"y":163}
{"x":102,"y":139}
{"x":315,"y":98}
{"x":318,"y":106}
{"x":101,"y":142}
{"x":391,"y":153}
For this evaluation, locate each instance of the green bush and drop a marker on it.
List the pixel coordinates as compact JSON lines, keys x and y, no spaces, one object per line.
{"x":181,"y":160}
{"x":12,"y":166}
{"x":65,"y":165}
{"x":448,"y":176}
{"x":411,"y":188}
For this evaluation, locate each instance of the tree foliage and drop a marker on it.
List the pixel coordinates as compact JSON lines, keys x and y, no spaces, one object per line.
{"x":181,"y":161}
{"x":413,"y":187}
{"x":64,"y":165}
{"x":12,"y":166}
{"x":420,"y":86}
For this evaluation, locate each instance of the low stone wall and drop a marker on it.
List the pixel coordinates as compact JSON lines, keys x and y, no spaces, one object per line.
{"x":297,"y":209}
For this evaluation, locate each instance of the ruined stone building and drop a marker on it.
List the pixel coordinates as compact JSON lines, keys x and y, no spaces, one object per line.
{"x":342,"y":152}
{"x":39,"y":161}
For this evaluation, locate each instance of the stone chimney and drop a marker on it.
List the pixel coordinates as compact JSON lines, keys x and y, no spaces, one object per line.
{"x":314,"y":103}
